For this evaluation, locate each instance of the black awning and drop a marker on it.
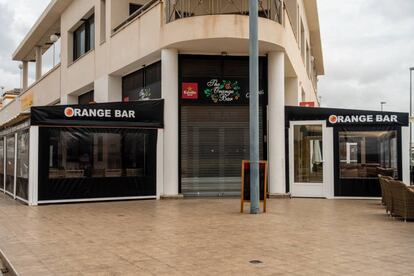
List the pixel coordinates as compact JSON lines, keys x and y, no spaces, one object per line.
{"x":346,"y":117}
{"x":145,"y":114}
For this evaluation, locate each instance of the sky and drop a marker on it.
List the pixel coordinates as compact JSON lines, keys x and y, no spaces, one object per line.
{"x":368,"y":48}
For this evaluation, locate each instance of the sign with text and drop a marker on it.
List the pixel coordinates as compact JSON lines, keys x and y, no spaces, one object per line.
{"x":148,"y":113}
{"x":189,"y":91}
{"x":362,"y":119}
{"x":217,"y":91}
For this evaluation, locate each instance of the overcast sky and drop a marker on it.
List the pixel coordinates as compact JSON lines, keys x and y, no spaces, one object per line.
{"x":368,"y":46}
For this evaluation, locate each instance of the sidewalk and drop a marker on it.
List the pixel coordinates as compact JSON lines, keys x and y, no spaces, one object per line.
{"x":205,"y":237}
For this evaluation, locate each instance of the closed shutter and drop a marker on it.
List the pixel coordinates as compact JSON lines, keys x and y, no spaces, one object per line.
{"x":214,"y":141}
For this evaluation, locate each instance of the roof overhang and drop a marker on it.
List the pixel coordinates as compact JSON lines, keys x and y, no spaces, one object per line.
{"x":39,"y":35}
{"x":15,"y":120}
{"x":312,"y":15}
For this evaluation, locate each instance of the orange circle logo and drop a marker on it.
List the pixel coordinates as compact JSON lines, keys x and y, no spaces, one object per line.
{"x":69,"y":112}
{"x":333,"y":119}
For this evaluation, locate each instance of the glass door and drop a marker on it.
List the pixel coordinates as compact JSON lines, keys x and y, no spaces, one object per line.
{"x":307,"y":159}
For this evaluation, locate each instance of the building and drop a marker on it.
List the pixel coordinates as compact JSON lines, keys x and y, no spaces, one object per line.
{"x":9,"y":96}
{"x":150,"y":98}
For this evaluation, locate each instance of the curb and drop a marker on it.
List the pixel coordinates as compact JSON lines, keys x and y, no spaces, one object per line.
{"x":288,"y":195}
{"x":6,"y":266}
{"x":172,"y":197}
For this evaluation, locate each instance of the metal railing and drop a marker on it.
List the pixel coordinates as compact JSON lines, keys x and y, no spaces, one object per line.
{"x":148,"y":5}
{"x":178,"y":9}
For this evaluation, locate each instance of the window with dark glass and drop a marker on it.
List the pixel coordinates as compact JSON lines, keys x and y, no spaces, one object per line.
{"x":86,"y":98}
{"x":365,"y":154}
{"x":143,"y":84}
{"x":133,"y":8}
{"x":95,"y":162}
{"x":84,"y":37}
{"x":22,"y":177}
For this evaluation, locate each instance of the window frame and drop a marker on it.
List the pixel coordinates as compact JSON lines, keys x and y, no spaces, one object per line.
{"x":88,"y":26}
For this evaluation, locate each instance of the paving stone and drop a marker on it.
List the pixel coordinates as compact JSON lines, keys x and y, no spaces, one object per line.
{"x":206,"y":237}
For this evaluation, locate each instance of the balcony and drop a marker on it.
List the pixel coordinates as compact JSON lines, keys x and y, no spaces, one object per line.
{"x":178,"y":9}
{"x":138,"y":13}
{"x":45,"y":91}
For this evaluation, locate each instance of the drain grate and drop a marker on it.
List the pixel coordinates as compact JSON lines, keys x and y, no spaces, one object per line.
{"x":256,"y":262}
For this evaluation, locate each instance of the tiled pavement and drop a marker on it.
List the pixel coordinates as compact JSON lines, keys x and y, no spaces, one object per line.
{"x":206,"y":237}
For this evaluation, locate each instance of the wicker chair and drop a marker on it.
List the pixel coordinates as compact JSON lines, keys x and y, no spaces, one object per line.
{"x":385,"y":192}
{"x":409,"y":204}
{"x":382,"y":183}
{"x":402,"y":200}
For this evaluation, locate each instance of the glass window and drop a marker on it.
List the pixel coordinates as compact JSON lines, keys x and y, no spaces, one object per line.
{"x":365,"y":154}
{"x":133,"y":8}
{"x":153,"y":80}
{"x":79,"y":154}
{"x":143,"y":84}
{"x":79,"y":42}
{"x":94,"y":163}
{"x":22,"y":178}
{"x":1,"y":163}
{"x":86,"y":98}
{"x":90,"y":32}
{"x":10,"y":148}
{"x":308,"y":154}
{"x":84,"y":38}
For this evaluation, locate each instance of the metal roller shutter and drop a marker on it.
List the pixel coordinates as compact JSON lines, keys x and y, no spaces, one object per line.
{"x":214,"y":140}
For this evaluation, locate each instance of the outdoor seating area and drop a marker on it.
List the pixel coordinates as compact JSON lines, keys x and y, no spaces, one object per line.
{"x":397,"y":198}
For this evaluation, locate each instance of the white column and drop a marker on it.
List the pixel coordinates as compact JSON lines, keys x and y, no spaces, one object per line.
{"x":38,"y":62}
{"x":292,"y":91}
{"x":160,"y":163}
{"x":108,"y":89}
{"x":33,"y":164}
{"x":276,"y":115}
{"x":15,"y":166}
{"x":405,"y":158}
{"x":169,"y":88}
{"x":25,"y":75}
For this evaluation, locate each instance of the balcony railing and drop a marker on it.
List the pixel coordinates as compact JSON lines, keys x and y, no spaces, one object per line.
{"x":178,"y":9}
{"x":147,"y":6}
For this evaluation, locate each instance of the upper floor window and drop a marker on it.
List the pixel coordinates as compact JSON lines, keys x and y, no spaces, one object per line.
{"x":86,"y":98}
{"x":84,"y":37}
{"x":143,"y":84}
{"x":133,"y":8}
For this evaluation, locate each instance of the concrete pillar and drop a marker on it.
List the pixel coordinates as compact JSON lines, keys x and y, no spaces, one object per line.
{"x":169,"y":88}
{"x":405,"y":144}
{"x":34,"y":164}
{"x":276,"y":115}
{"x":25,"y":75}
{"x":108,"y":89}
{"x":292,"y":91}
{"x":38,"y":62}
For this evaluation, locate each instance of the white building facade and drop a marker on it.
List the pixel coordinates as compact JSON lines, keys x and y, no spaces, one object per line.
{"x":191,"y":55}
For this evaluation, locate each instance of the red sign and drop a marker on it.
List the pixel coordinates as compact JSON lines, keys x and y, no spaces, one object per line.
{"x":307,"y":104}
{"x":189,"y":91}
